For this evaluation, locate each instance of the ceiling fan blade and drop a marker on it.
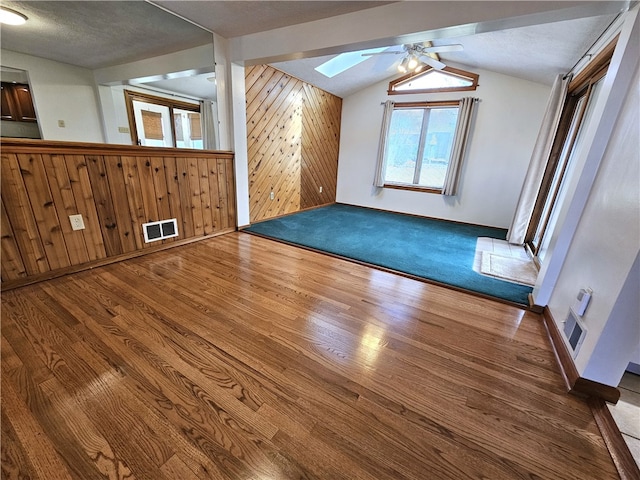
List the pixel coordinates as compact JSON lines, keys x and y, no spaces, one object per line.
{"x":443,"y":48}
{"x":382,"y":53}
{"x":432,"y":62}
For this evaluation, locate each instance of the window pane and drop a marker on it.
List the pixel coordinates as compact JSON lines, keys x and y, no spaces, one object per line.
{"x":437,"y":148}
{"x":153,"y":124}
{"x":433,"y":79}
{"x":188,"y":129}
{"x":403,"y":143}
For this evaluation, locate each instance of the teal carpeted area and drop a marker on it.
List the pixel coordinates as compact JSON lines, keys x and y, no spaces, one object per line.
{"x":431,"y":249}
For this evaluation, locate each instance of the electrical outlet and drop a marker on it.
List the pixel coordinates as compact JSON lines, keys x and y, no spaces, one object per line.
{"x":77,"y":223}
{"x":123,"y":130}
{"x":61,"y":124}
{"x":272,"y":195}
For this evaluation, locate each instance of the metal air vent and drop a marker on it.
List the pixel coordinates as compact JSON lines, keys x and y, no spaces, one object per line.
{"x":154,"y":231}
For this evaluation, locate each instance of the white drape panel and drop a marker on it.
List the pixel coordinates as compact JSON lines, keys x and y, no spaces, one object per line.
{"x":538,"y":163}
{"x":378,"y":181}
{"x":460,"y":139}
{"x":208,"y":125}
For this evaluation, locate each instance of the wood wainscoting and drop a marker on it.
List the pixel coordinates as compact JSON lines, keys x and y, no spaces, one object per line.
{"x":116,"y":189}
{"x":293,"y":135}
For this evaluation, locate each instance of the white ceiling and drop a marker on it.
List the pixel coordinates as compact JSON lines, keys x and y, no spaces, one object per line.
{"x":537,"y":53}
{"x":236,"y":18}
{"x":96,"y":34}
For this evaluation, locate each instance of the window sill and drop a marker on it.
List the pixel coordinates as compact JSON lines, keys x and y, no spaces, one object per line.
{"x":414,"y":188}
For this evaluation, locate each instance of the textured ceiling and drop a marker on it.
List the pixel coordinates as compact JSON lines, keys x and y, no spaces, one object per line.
{"x":236,"y":18}
{"x":536,"y":53}
{"x":96,"y":34}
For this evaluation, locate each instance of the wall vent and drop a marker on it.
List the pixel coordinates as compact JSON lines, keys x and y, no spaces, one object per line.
{"x":154,"y":231}
{"x":574,"y":331}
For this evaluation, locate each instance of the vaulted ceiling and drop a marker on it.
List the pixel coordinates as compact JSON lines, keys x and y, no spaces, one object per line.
{"x":96,"y":34}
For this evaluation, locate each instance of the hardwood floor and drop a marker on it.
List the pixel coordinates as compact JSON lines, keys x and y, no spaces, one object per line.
{"x":242,"y":358}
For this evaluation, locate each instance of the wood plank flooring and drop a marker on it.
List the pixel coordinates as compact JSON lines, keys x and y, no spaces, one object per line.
{"x":242,"y":358}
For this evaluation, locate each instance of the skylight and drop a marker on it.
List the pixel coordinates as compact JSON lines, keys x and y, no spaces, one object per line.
{"x":345,"y":61}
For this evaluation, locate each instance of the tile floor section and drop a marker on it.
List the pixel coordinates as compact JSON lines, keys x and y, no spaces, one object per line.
{"x":626,"y":412}
{"x":499,"y":247}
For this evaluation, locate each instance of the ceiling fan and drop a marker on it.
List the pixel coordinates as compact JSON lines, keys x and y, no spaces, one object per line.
{"x":418,"y":55}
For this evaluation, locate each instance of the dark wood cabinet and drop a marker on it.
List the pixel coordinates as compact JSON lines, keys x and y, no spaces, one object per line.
{"x":17,"y":104}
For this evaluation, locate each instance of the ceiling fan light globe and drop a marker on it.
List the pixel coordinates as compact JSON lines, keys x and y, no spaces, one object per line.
{"x":413,"y":63}
{"x":402,"y":68}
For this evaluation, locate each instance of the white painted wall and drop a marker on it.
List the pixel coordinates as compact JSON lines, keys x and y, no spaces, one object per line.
{"x":616,"y":345}
{"x":634,"y":364}
{"x":61,"y":92}
{"x":241,"y":158}
{"x":506,"y":125}
{"x":602,"y":253}
{"x":114,"y":113}
{"x":223,"y":83}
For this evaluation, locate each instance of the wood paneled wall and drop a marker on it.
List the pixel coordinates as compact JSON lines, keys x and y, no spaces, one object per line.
{"x":116,"y":189}
{"x":293,"y":131}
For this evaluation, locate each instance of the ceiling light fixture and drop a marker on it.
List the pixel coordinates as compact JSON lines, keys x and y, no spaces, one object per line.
{"x":11,"y":17}
{"x":413,"y":62}
{"x":403,"y":66}
{"x":418,"y":57}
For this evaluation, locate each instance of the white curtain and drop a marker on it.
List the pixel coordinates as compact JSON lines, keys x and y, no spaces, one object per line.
{"x":208,"y":125}
{"x":382,"y":148}
{"x":538,"y":162}
{"x":460,"y":139}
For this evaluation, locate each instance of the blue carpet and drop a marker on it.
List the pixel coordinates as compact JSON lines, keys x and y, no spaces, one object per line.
{"x":431,"y":249}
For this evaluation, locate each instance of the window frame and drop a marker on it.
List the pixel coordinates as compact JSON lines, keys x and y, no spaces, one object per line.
{"x":455,"y":72}
{"x":424,"y":105}
{"x":580,"y":86}
{"x":170,"y":103}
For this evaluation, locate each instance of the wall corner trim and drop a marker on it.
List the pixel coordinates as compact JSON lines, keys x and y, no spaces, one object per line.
{"x":574,"y":382}
{"x":618,"y":449}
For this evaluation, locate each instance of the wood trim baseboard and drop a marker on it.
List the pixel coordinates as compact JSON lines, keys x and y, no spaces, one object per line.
{"x":21,"y":282}
{"x":415,"y":215}
{"x":532,"y":305}
{"x":286,"y":214}
{"x":574,"y":382}
{"x":618,"y":448}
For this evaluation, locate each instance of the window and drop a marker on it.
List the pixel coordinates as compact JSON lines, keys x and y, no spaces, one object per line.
{"x":419,"y":144}
{"x":428,"y":81}
{"x":576,"y":114}
{"x":161,"y":122}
